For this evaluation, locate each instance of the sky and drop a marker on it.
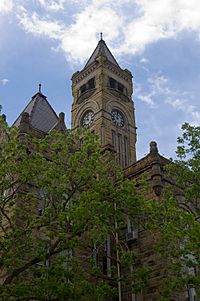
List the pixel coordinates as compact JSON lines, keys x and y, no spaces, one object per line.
{"x":46,"y":41}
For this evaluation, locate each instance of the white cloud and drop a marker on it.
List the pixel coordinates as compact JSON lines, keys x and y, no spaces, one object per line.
{"x":192,"y":115}
{"x":157,"y":92}
{"x":180,"y":104}
{"x":4,"y":81}
{"x":40,"y":26}
{"x":6,"y":6}
{"x":160,"y":20}
{"x":80,"y":38}
{"x":160,"y":91}
{"x":157,"y":85}
{"x":52,"y":5}
{"x":141,"y":23}
{"x":131,"y":24}
{"x":147,"y":98}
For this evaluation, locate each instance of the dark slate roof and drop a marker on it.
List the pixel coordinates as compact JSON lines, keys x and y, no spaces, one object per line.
{"x":41,"y":114}
{"x":103,"y":49}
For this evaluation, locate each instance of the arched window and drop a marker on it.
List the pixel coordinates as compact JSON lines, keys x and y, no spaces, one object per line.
{"x":88,"y":86}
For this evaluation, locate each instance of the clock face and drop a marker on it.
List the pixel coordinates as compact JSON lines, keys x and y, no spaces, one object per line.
{"x":87,"y":119}
{"x":117,"y":118}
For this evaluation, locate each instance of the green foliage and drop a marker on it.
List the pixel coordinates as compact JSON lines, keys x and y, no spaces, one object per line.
{"x":59,"y":198}
{"x":177,"y":218}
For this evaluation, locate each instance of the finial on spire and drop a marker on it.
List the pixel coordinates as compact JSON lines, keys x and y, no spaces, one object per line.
{"x":101,"y":35}
{"x":40,"y":86}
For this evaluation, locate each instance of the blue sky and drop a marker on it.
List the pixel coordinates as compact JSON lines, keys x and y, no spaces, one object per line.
{"x":159,"y":41}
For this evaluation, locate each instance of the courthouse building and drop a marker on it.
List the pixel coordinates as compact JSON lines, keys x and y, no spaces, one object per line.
{"x":102,"y":101}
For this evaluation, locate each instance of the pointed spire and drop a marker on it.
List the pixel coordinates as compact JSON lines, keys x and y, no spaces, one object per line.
{"x":40,"y":86}
{"x":101,"y":49}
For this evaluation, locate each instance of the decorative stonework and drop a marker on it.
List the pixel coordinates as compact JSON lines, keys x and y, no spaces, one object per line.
{"x":119,"y":95}
{"x":116,"y":71}
{"x":86,"y":73}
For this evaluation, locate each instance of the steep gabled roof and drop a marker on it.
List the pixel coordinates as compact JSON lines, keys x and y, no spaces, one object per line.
{"x":103,"y":49}
{"x":41,"y":114}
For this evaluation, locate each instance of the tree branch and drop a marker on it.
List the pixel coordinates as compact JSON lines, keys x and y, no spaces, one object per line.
{"x":35,"y":260}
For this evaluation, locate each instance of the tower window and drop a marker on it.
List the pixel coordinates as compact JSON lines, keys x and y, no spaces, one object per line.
{"x":120,"y":87}
{"x":119,"y":149}
{"x":125,"y":151}
{"x":125,"y":91}
{"x":83,"y":89}
{"x":114,"y":139}
{"x":112,"y":83}
{"x":90,"y":84}
{"x":116,"y":85}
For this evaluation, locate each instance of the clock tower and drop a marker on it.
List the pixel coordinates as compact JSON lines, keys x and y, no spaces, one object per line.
{"x":102,"y":102}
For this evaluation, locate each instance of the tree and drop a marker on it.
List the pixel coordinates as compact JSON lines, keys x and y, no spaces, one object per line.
{"x":177,"y":219}
{"x":61,"y":199}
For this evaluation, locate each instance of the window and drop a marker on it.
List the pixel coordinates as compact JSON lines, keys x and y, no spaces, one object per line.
{"x":119,"y":149}
{"x":117,"y":86}
{"x":128,"y":224}
{"x":138,"y":296}
{"x":125,"y":151}
{"x":88,"y":86}
{"x":125,"y":91}
{"x":117,"y":146}
{"x":120,"y":87}
{"x":112,"y":83}
{"x":66,"y":257}
{"x":191,"y":294}
{"x":41,"y":268}
{"x":114,"y":139}
{"x":83,"y":89}
{"x":132,"y":233}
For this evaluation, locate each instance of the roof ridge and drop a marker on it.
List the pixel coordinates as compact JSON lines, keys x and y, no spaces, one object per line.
{"x":35,"y":101}
{"x":24,"y":110}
